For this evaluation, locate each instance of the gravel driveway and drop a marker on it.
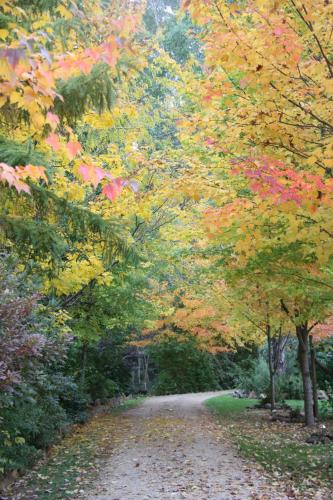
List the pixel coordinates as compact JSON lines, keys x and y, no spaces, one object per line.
{"x":172,"y":448}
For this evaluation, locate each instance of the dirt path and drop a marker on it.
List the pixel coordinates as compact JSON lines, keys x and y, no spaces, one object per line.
{"x":172,"y":448}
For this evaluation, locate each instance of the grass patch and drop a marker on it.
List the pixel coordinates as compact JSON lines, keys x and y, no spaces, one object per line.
{"x":75,"y":461}
{"x":228,"y":406}
{"x":127,"y":404}
{"x":279,"y":447}
{"x":296,"y":404}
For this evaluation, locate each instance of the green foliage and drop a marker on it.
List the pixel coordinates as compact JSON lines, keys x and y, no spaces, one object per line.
{"x":288,"y":383}
{"x":257,"y":379}
{"x":105,"y":372}
{"x":182,"y":367}
{"x":324,"y":354}
{"x":15,"y":153}
{"x":326,"y":407}
{"x":36,"y":416}
{"x":74,"y":400}
{"x":178,"y":42}
{"x":159,"y":12}
{"x":33,"y":407}
{"x":33,"y":238}
{"x":32,"y":419}
{"x":36,"y":237}
{"x":95,"y":90}
{"x":289,"y":386}
{"x":42,"y":5}
{"x":234,"y":366}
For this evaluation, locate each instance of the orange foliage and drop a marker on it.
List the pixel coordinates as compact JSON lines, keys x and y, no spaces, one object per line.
{"x":324,"y":330}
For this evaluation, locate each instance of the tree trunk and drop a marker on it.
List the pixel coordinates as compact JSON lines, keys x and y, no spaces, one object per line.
{"x":139,"y":369}
{"x":271,"y":367}
{"x":146,"y":377}
{"x":314,"y":378}
{"x":84,"y":364}
{"x":279,"y":343}
{"x":303,"y":349}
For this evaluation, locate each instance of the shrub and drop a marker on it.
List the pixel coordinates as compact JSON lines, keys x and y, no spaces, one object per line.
{"x":257,"y":379}
{"x":105,"y":372}
{"x":325,"y":373}
{"x":74,"y":401}
{"x":326,"y":408}
{"x":288,"y":384}
{"x":233,"y":366}
{"x":33,"y":347}
{"x":182,"y":367}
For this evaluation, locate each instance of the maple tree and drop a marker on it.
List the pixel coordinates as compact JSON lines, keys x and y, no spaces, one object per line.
{"x":82,"y":77}
{"x":36,"y":82}
{"x":266,"y":128}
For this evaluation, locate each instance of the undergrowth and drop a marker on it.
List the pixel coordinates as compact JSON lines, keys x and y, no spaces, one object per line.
{"x":74,"y":463}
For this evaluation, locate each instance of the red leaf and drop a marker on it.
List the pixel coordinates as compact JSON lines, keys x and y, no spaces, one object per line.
{"x":33,"y":171}
{"x":113,"y":190}
{"x":53,"y":141}
{"x":12,"y":177}
{"x":53,"y":120}
{"x":73,"y":148}
{"x":22,"y":186}
{"x":85,"y":171}
{"x":92,"y":174}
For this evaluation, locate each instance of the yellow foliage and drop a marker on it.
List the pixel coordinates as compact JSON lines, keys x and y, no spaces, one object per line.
{"x":76,"y":275}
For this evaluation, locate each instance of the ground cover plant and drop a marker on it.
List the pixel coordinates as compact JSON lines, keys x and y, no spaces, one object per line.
{"x":279,"y":447}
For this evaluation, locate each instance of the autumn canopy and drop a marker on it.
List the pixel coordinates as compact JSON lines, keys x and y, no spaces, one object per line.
{"x":161,"y":185}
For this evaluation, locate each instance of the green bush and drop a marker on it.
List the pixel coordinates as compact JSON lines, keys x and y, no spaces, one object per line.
{"x":182,"y":367}
{"x":232,"y":366}
{"x":33,"y":417}
{"x":326,"y":407}
{"x":257,"y":379}
{"x":33,"y":386}
{"x":73,"y":400}
{"x":105,"y":372}
{"x":288,"y":385}
{"x":325,"y":373}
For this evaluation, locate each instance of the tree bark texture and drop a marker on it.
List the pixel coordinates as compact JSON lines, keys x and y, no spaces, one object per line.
{"x":314,"y":377}
{"x":304,"y":360}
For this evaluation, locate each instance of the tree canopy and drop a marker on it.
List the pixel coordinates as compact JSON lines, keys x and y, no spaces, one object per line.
{"x":166,"y":175}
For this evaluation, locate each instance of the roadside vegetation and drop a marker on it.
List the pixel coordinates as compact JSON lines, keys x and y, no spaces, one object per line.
{"x":72,"y":465}
{"x":279,"y":447}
